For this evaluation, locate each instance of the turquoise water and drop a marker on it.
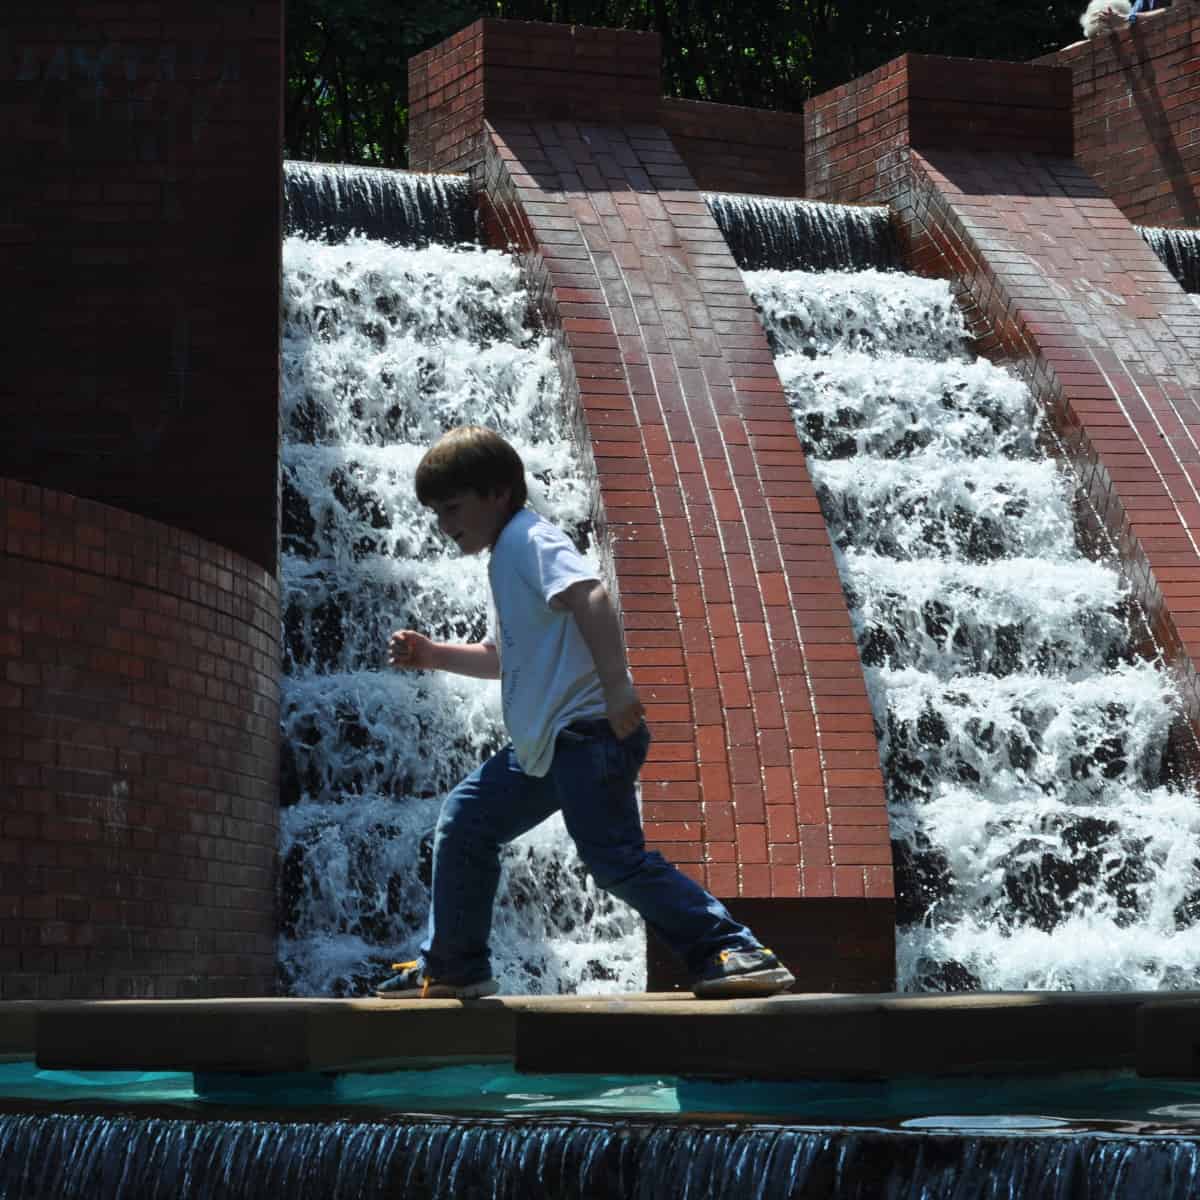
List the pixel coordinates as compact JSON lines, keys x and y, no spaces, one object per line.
{"x":1030,"y":1104}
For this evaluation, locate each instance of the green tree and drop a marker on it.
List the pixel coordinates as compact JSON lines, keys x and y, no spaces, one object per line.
{"x":347,"y":74}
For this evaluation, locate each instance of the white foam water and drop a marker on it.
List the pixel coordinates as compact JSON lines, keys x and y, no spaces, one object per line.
{"x":1024,"y":747}
{"x":383,"y":349}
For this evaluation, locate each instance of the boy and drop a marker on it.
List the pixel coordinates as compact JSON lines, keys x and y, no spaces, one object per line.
{"x":578,"y":741}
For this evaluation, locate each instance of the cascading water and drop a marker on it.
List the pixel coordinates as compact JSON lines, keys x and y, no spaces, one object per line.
{"x":79,"y":1157}
{"x":384,"y":348}
{"x":803,"y":235}
{"x":330,"y":201}
{"x":1179,"y":250}
{"x":1023,"y":744}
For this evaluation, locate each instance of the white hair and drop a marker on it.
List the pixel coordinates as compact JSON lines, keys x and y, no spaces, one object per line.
{"x":1101,"y":15}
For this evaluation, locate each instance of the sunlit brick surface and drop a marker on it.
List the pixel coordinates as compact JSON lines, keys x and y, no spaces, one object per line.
{"x":1137,"y":125}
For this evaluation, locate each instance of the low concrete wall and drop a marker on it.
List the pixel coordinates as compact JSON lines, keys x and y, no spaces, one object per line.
{"x":785,"y":1037}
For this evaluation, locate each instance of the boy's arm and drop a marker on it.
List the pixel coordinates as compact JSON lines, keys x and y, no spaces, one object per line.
{"x":412,"y":651}
{"x":588,"y":602}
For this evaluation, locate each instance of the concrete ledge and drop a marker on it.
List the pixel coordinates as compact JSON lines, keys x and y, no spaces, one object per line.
{"x":17,"y":1029}
{"x":836,"y":1037}
{"x":786,"y":1037}
{"x":1168,"y":1038}
{"x":267,"y":1035}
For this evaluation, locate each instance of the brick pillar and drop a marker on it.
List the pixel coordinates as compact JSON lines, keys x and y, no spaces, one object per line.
{"x":764,"y":780}
{"x":139,"y":416}
{"x":1056,"y":281}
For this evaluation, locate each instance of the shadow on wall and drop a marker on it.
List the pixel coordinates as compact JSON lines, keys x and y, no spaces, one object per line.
{"x":1144,"y":90}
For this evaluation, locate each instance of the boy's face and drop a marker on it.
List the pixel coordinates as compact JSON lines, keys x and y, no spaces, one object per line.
{"x":471,"y":521}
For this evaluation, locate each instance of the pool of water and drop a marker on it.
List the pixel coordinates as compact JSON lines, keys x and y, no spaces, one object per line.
{"x":1092,"y":1100}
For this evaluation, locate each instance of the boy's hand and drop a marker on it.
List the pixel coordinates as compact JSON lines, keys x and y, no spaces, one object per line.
{"x":625,"y":711}
{"x":409,"y":651}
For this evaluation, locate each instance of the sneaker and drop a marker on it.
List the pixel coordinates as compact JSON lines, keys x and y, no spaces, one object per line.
{"x":413,"y":984}
{"x":754,"y":972}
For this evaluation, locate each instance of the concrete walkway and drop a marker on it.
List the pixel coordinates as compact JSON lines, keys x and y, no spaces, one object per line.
{"x":785,"y":1037}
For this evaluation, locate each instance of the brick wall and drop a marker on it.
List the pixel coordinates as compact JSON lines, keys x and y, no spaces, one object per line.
{"x":764,"y":781}
{"x":1136,"y":114}
{"x":138,"y":757}
{"x":592,"y":76}
{"x":524,"y":69}
{"x":1056,"y":281}
{"x":139,"y":235}
{"x":858,"y":136}
{"x":732,"y":149}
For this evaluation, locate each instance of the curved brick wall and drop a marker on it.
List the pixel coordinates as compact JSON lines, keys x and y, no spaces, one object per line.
{"x":139,"y":757}
{"x":764,"y":780}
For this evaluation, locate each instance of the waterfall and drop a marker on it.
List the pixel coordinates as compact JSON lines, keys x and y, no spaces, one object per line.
{"x":807,"y":235}
{"x":1179,"y":250}
{"x":330,"y":201}
{"x":384,"y":348}
{"x":1024,"y":744}
{"x":78,"y":1157}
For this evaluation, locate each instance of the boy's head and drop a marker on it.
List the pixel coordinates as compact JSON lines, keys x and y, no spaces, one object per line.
{"x":474,"y":481}
{"x":471,"y":459}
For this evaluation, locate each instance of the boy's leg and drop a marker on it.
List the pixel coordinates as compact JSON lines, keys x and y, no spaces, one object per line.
{"x":493,"y":805}
{"x":594,"y":776}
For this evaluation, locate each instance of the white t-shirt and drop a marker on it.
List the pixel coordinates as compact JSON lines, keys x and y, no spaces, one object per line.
{"x":547,"y":676}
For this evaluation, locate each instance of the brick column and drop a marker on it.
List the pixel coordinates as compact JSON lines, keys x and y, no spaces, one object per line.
{"x":140,"y":238}
{"x":764,"y":780}
{"x":1056,"y":281}
{"x":139,"y":419}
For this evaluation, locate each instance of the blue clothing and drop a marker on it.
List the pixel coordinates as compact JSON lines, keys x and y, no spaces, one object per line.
{"x":591,"y":778}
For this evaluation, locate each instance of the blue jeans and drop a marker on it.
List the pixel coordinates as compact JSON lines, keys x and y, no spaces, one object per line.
{"x":591,"y":778}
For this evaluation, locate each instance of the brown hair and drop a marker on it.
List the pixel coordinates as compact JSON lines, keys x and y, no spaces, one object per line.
{"x":470,"y":458}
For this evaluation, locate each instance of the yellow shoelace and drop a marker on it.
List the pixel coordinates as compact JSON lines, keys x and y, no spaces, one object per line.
{"x":425,"y":980}
{"x":723,"y":955}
